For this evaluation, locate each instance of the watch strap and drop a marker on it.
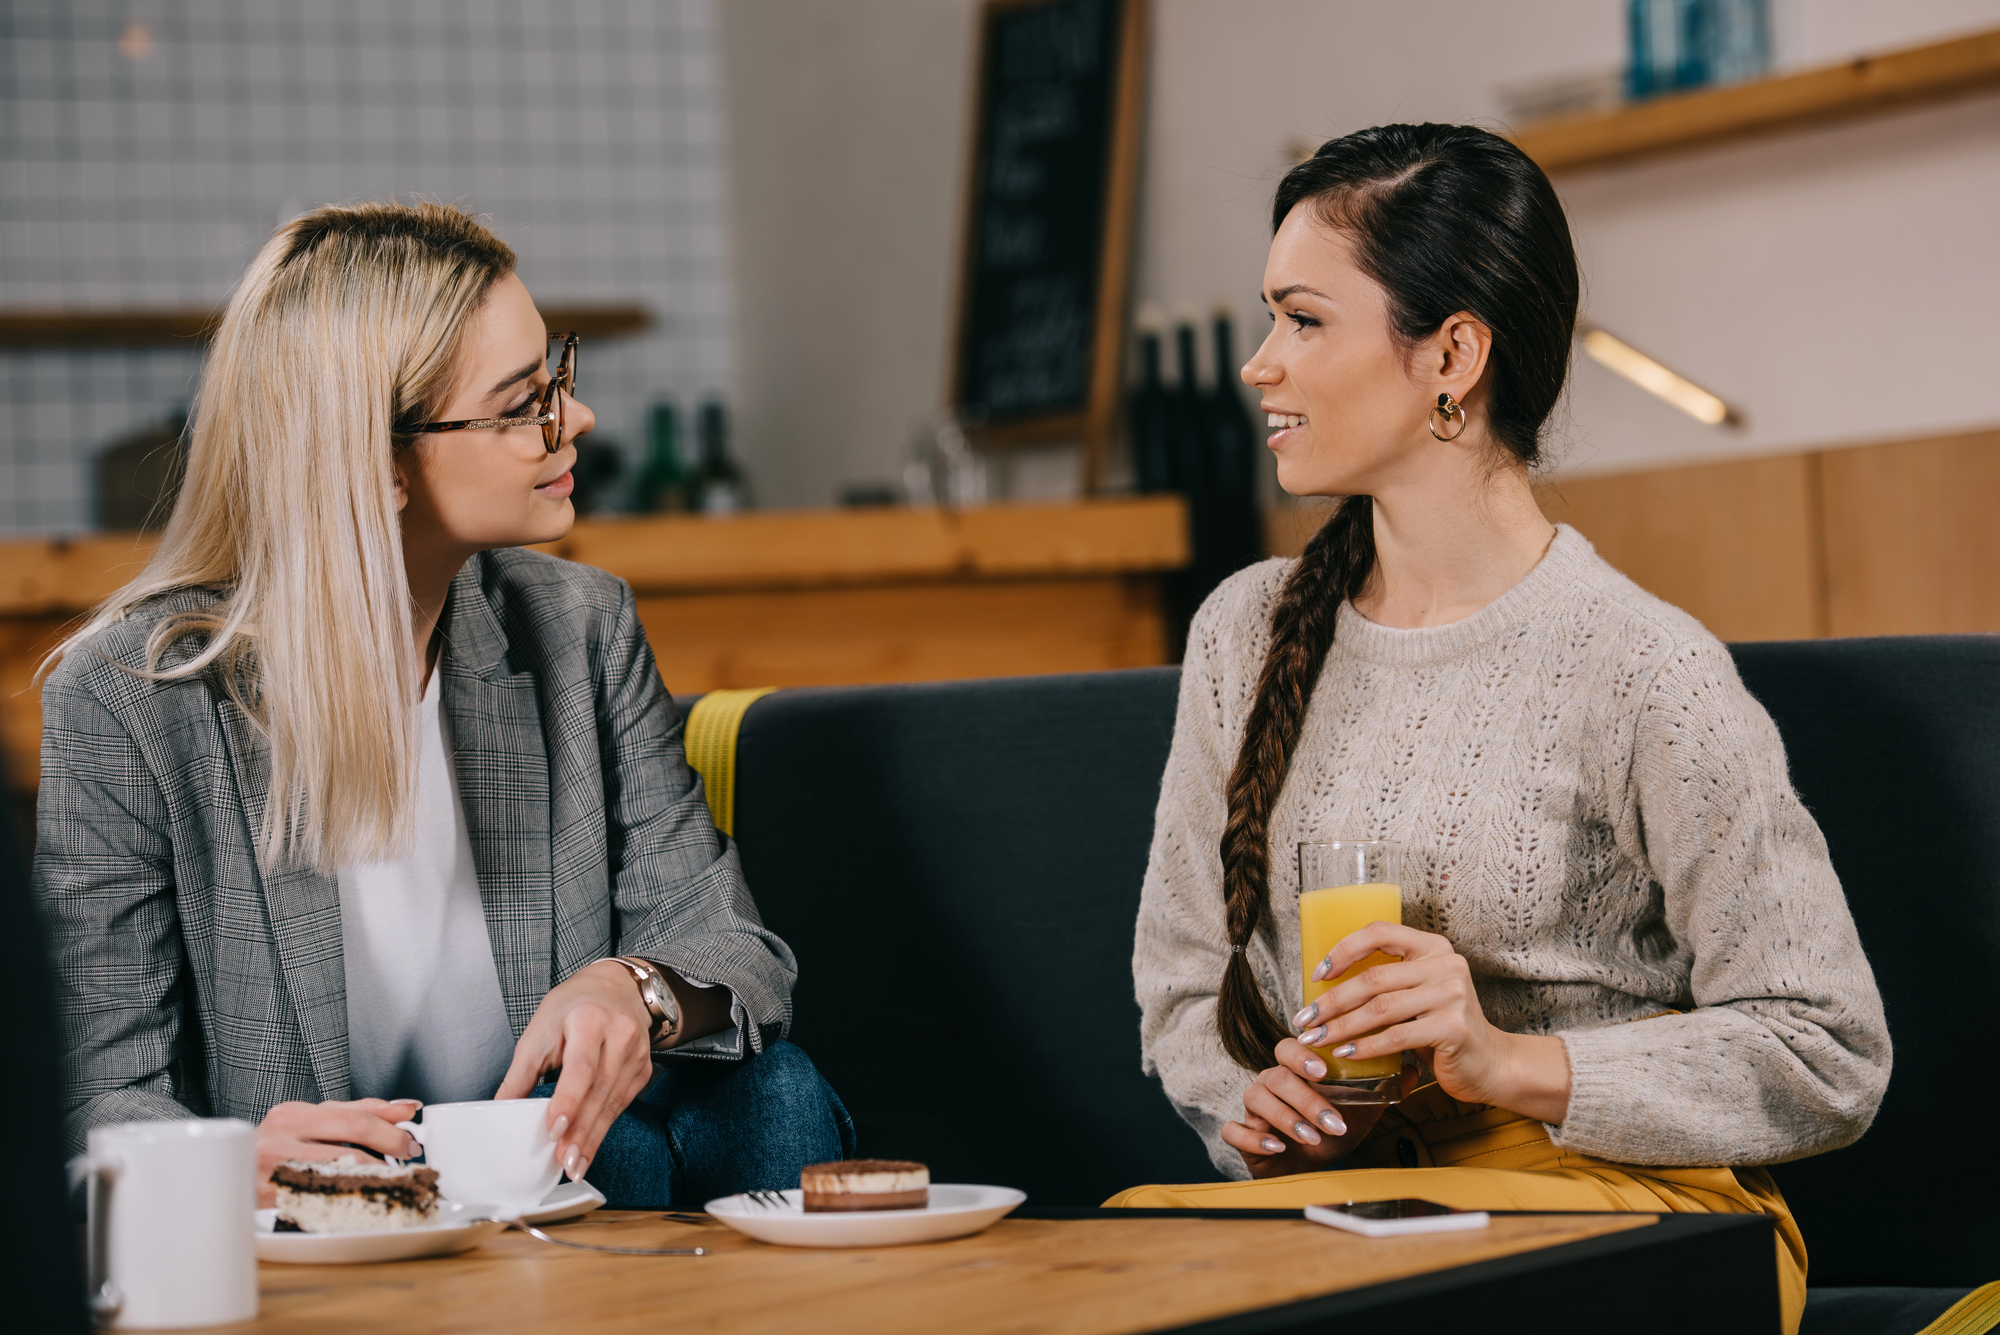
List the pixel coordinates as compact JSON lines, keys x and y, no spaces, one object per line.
{"x":657,"y":996}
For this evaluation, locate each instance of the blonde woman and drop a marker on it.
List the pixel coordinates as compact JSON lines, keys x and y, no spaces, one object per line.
{"x":348,"y":805}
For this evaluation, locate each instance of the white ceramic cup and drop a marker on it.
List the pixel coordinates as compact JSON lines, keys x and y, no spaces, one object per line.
{"x":172,"y":1223}
{"x":494,"y":1152}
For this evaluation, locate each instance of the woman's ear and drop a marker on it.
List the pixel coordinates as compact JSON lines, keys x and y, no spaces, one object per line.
{"x":1453,"y":360}
{"x":397,"y":463}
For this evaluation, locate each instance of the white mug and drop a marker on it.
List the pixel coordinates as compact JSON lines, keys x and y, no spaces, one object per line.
{"x":493,"y":1152}
{"x":172,"y":1223}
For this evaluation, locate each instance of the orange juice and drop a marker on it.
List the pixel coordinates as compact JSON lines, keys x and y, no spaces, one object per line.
{"x":1325,"y":918}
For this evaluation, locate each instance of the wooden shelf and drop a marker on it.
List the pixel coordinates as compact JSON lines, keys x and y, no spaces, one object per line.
{"x":1859,"y":87}
{"x":777,"y":549}
{"x":23,"y":329}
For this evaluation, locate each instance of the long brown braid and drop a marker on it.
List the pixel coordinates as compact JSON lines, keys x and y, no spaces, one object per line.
{"x":1446,"y":218}
{"x":1336,"y":567}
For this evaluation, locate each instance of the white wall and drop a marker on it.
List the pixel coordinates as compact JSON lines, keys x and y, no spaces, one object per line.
{"x":846,"y":131}
{"x":1831,"y":283}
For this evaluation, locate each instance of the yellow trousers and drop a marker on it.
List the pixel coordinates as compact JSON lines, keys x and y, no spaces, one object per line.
{"x":1473,"y":1157}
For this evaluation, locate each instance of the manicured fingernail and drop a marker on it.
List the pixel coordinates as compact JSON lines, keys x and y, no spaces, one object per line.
{"x":562,"y":1125}
{"x":1305,"y":1133}
{"x":1315,"y":1068}
{"x":1272,"y":1145}
{"x":1331,"y":1121}
{"x":1313,"y":1036}
{"x":411,"y":1150}
{"x":569,"y":1164}
{"x":1307,"y":1014}
{"x":582,"y":1167}
{"x":1344,"y":1051}
{"x":1321,"y":971}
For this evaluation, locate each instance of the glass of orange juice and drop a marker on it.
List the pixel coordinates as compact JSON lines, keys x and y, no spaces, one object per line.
{"x":1345,"y":884}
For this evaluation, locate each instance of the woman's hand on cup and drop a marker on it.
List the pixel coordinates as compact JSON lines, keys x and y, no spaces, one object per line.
{"x":597,"y":1029}
{"x":317,"y":1132}
{"x":1287,"y":1126}
{"x":1424,"y":1001}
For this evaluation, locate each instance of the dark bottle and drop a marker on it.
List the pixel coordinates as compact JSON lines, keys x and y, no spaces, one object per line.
{"x":719,"y":486}
{"x":1236,"y":450}
{"x":599,"y":461}
{"x":663,"y":484}
{"x":1189,"y":428}
{"x":1152,"y":446}
{"x":1186,"y":420}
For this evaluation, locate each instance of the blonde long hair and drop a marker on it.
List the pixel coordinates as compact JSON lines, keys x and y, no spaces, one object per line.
{"x":346,"y":325}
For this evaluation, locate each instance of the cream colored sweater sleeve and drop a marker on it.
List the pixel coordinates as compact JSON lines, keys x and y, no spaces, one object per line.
{"x":1181,"y":947}
{"x":1784,"y":1051}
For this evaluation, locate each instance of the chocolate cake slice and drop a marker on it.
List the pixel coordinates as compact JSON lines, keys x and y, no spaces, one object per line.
{"x":353,"y":1195}
{"x":865,"y":1184}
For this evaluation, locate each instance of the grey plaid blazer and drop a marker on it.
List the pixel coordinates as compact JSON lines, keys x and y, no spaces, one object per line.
{"x":193,"y":983}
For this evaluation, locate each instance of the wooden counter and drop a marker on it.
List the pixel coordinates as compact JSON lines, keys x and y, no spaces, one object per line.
{"x":786,"y":598}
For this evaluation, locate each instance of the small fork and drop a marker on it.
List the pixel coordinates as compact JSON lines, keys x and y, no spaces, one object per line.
{"x":768,"y":1200}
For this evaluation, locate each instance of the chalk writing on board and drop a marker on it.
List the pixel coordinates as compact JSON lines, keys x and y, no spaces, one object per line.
{"x":1037,"y":237}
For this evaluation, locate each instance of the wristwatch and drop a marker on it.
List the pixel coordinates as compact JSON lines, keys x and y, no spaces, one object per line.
{"x":659,"y":998}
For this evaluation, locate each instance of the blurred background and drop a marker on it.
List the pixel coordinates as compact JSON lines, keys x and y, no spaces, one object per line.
{"x":911,"y":325}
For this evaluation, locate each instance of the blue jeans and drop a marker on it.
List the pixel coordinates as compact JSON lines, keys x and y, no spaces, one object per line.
{"x":705,"y":1129}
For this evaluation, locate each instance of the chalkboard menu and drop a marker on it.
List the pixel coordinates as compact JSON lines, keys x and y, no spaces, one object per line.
{"x":1048,"y":220}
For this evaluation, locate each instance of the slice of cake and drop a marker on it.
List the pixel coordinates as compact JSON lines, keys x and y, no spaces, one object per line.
{"x":866,"y":1184}
{"x":353,"y":1195}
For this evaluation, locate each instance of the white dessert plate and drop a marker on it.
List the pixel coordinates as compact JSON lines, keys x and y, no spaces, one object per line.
{"x":459,"y":1228}
{"x":955,"y":1211}
{"x":566,"y":1200}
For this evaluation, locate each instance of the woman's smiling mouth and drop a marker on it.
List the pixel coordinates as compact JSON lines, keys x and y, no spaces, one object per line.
{"x":1282,"y":425}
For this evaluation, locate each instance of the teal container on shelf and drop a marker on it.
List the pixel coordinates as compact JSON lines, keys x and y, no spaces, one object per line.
{"x":1681,"y":44}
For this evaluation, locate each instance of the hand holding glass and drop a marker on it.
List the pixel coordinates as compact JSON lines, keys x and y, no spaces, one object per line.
{"x":1345,"y":884}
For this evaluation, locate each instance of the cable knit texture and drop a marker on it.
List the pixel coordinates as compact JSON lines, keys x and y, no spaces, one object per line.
{"x":1603,"y":826}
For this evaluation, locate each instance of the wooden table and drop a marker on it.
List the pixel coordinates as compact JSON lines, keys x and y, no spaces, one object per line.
{"x":1085,"y":1276}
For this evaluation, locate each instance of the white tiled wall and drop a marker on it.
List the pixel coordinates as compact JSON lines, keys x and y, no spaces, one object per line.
{"x":588,"y":130}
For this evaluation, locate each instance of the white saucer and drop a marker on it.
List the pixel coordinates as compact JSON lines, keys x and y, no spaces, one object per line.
{"x":566,"y":1200}
{"x":955,"y":1211}
{"x":459,"y":1228}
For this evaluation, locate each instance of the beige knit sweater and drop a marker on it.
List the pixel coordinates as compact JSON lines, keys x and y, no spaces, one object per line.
{"x":1605,"y":830}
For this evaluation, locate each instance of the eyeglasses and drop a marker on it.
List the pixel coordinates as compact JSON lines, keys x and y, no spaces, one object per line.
{"x":548,"y":414}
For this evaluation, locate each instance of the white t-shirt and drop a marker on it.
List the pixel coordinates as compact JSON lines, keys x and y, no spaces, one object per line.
{"x":425,"y":1018}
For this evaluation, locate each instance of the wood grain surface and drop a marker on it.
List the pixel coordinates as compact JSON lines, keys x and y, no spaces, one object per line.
{"x":765,"y":550}
{"x":1053,"y":1277}
{"x":907,"y":632}
{"x":1913,"y":545}
{"x":1895,"y":538}
{"x":818,"y":548}
{"x":1736,"y":544}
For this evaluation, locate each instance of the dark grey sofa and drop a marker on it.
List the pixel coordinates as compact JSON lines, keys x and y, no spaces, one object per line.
{"x":958,"y":867}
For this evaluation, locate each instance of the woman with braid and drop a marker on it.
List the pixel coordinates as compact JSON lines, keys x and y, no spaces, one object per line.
{"x":1626,"y":970}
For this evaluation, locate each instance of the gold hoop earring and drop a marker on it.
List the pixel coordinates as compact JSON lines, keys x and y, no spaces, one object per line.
{"x":1449,"y":408}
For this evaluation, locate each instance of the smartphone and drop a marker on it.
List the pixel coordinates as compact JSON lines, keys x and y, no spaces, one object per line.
{"x":1393,"y":1219}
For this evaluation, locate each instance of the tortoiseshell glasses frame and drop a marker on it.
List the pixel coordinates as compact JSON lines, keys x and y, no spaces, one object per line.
{"x":548,"y":414}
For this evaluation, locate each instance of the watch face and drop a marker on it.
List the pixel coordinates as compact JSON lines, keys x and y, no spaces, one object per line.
{"x":658,"y":999}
